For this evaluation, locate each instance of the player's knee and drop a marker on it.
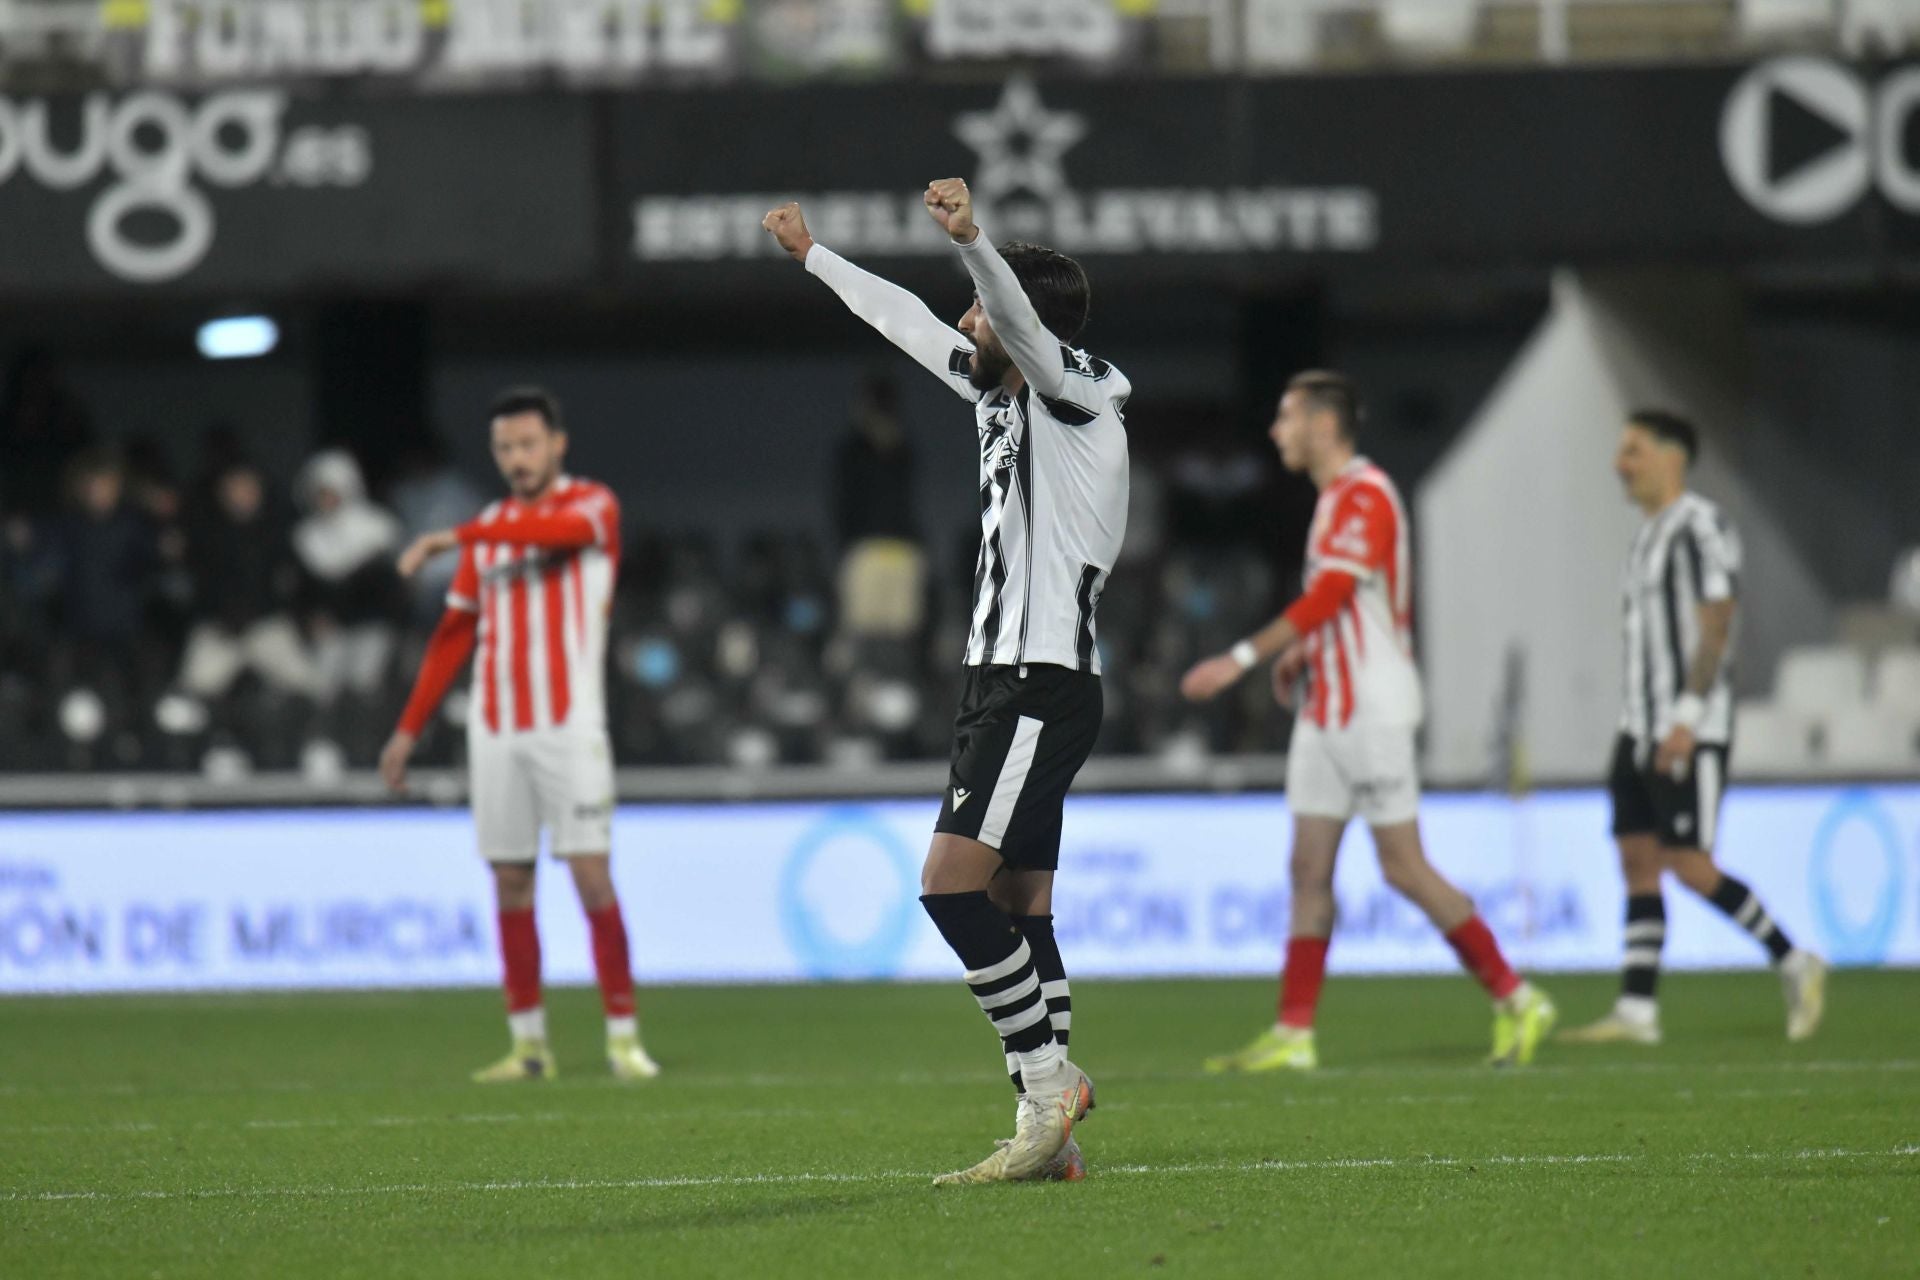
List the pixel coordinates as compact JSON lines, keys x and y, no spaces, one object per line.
{"x":1697,"y":871}
{"x":1000,"y":894}
{"x":958,"y":865}
{"x":1312,"y":915}
{"x":1311,"y":880}
{"x":593,"y":879}
{"x":1310,"y":874}
{"x":597,"y":897}
{"x":1403,"y":875}
{"x":513,"y":885}
{"x":1640,"y":867}
{"x":936,"y":876}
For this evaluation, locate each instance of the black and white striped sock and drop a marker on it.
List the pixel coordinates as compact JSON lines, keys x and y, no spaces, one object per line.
{"x":1646,"y":935}
{"x":1038,"y":931}
{"x":1000,"y":973}
{"x":1734,"y":898}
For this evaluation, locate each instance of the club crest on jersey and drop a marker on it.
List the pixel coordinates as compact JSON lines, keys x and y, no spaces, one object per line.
{"x":1351,"y":537}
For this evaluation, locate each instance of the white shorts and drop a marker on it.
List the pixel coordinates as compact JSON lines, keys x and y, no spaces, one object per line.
{"x":1364,"y":770}
{"x":559,"y":779}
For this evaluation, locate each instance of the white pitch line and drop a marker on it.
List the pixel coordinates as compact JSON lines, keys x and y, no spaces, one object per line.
{"x":797,"y":1179}
{"x":1481,"y":1072}
{"x":410,"y":1122}
{"x":1187,"y":1104}
{"x":1466,"y":1072}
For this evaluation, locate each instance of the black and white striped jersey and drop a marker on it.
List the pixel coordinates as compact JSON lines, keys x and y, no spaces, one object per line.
{"x":1686,"y":554}
{"x":1053,"y":461}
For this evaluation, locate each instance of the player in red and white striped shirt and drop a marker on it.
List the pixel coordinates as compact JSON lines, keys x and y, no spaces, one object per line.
{"x":1349,"y":636}
{"x":532,"y":595}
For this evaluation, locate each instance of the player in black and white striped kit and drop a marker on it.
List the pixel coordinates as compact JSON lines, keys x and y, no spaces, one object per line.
{"x":1053,"y":511}
{"x":1676,"y":729}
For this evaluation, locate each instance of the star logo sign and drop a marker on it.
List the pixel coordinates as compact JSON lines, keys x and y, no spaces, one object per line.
{"x":1020,"y":143}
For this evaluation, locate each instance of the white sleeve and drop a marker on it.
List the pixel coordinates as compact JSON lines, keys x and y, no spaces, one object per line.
{"x":899,"y":317}
{"x":1043,"y":360}
{"x":1716,"y":547}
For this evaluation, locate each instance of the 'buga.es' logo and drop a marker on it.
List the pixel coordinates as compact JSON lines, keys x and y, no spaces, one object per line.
{"x":158,"y":151}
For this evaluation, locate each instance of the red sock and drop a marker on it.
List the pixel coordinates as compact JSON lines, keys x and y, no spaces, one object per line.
{"x":1480,"y":956}
{"x":610,"y":960}
{"x":520,"y":958}
{"x":1300,"y":981}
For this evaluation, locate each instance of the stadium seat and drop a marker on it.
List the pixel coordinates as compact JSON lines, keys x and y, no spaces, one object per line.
{"x":1873,"y":626}
{"x":1773,"y":19}
{"x":1903,"y":584}
{"x":1877,"y":26}
{"x":1771,"y":741}
{"x":1820,"y":680}
{"x":1896,"y":680}
{"x":1871,"y":740}
{"x":1429,"y":26}
{"x":1280,"y":33}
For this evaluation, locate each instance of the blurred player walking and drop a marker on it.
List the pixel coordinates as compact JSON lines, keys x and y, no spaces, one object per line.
{"x":1053,"y":510}
{"x":532,"y":593}
{"x":1676,"y":730}
{"x":1349,"y":636}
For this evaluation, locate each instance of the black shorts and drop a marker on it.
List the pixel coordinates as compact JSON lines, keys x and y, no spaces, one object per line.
{"x":1018,"y":741}
{"x":1683,"y":812}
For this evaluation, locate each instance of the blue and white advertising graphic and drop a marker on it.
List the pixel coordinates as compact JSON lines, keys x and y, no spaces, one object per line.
{"x":1149,"y":885}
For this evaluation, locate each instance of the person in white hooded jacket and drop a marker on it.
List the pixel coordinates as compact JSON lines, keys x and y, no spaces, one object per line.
{"x":346,"y":544}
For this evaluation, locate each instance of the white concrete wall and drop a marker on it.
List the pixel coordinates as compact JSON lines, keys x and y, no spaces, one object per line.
{"x":1522,"y":530}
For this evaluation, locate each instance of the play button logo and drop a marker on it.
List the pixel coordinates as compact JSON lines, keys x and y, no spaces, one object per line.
{"x":1795,"y":138}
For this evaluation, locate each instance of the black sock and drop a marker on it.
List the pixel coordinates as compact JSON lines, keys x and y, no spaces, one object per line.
{"x":1646,"y":934}
{"x":1745,"y":910}
{"x":1000,"y":969}
{"x":1038,"y":931}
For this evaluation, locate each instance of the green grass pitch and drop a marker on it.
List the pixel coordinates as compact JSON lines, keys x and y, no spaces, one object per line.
{"x":796,"y":1129}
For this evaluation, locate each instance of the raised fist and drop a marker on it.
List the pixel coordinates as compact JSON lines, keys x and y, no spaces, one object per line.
{"x":951,"y":205}
{"x":790,"y":229}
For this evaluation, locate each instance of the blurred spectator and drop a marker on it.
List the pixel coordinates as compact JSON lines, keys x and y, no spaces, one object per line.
{"x":873,"y":470}
{"x":97,"y":565}
{"x":1215,"y":492}
{"x":431,"y":493}
{"x":244,"y":575}
{"x":351,"y":594}
{"x":43,"y":426}
{"x":152,"y":490}
{"x":221,"y":450}
{"x":883,"y":590}
{"x":774,"y":648}
{"x":883,"y":570}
